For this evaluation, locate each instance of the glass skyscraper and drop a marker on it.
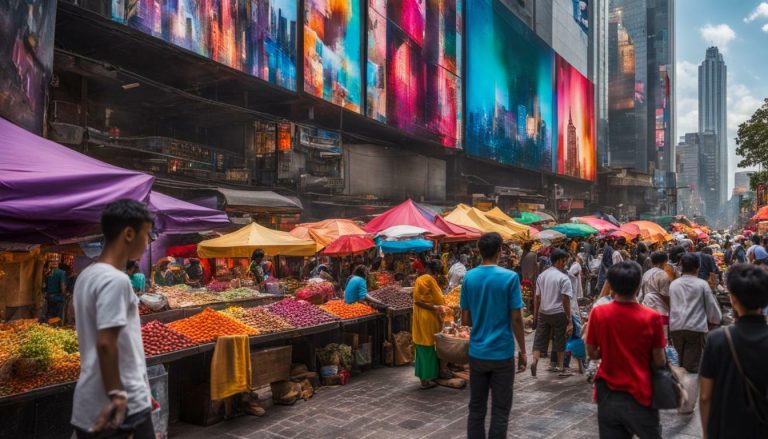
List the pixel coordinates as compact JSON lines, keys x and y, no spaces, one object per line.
{"x":712,"y":116}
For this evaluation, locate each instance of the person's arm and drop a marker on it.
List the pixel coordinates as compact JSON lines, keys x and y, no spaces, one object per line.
{"x":63,"y":285}
{"x":593,"y":352}
{"x":568,"y":315}
{"x":659,"y":357}
{"x":714,"y":315}
{"x":518,"y":328}
{"x":590,"y":339}
{"x":466,"y":318}
{"x":112,"y":414}
{"x":706,"y":388}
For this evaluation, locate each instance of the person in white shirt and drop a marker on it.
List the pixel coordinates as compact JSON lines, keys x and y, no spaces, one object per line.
{"x":692,"y":308}
{"x":654,"y":288}
{"x":552,"y":310}
{"x":617,"y":257}
{"x":112,"y":397}
{"x":457,"y":271}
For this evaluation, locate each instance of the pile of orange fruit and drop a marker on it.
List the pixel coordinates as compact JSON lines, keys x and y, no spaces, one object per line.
{"x":346,"y":311}
{"x":453,"y":298}
{"x":209,"y":325}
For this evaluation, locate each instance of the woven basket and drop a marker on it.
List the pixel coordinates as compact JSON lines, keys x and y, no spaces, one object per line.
{"x":452,"y":349}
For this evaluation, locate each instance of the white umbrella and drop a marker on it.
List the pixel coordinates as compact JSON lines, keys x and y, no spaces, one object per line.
{"x":399,"y":232}
{"x":549,"y":235}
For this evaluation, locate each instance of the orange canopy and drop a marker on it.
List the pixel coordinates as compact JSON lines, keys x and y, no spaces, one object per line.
{"x":762,"y":214}
{"x":647,"y":230}
{"x":326,"y":231}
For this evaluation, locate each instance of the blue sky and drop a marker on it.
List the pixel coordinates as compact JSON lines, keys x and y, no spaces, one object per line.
{"x":740,"y":30}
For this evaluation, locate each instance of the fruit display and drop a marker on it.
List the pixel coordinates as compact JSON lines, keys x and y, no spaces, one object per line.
{"x":38,"y":355}
{"x":258,"y":318}
{"x":384,"y":278}
{"x":237,"y":294}
{"x":453,"y":297}
{"x":181,"y":296}
{"x":206,"y":326}
{"x":324,"y":290}
{"x":393,"y":297}
{"x":160,"y":339}
{"x":346,"y":311}
{"x":300,"y":313}
{"x":217,"y":287}
{"x":290,"y":285}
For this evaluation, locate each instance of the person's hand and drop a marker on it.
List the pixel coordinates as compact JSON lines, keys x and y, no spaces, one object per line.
{"x":534,"y":323}
{"x":112,"y":414}
{"x":569,"y":330}
{"x":522,"y":361}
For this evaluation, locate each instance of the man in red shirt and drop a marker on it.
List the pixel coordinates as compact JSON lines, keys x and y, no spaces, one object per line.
{"x":628,"y":338}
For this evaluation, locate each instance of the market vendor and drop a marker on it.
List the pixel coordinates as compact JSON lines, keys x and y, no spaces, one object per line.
{"x":429,"y":307}
{"x":255,"y":267}
{"x":357,"y":288}
{"x":194,"y":273}
{"x":138,"y":280}
{"x":55,"y":292}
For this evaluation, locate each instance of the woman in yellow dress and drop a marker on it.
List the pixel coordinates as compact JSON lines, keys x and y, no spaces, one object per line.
{"x":429,"y":307}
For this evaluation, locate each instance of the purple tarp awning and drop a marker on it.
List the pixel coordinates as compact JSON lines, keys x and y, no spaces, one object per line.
{"x":177,"y":216}
{"x":49,"y":192}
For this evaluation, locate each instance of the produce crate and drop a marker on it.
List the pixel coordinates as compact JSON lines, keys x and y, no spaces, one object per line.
{"x":197,"y":408}
{"x":270,"y":365}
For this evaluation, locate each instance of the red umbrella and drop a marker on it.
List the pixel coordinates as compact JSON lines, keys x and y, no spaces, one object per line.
{"x":348,"y":245}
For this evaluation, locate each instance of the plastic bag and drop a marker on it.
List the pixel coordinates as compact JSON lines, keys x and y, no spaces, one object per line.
{"x":155,"y":302}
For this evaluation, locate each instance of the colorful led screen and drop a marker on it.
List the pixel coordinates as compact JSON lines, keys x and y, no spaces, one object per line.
{"x":257,"y":37}
{"x":414,"y":67}
{"x":510,"y":89}
{"x":576,"y":153}
{"x":332,"y":51}
{"x":26,"y":60}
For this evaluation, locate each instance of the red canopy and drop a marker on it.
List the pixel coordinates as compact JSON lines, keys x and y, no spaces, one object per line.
{"x":348,"y":245}
{"x":455,"y":232}
{"x":404,"y":214}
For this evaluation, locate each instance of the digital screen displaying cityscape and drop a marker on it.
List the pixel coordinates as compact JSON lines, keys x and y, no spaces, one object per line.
{"x":575,"y":123}
{"x":414,"y":67}
{"x":510,"y":89}
{"x":522,"y":100}
{"x":258,"y":38}
{"x":332,"y":47}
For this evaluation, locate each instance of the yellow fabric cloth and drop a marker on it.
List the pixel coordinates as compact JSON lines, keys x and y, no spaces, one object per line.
{"x":230,"y":367}
{"x":241,"y":243}
{"x":425,"y":322}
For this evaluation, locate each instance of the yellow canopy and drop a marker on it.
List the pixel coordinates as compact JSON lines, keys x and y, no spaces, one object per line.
{"x":326,"y":231}
{"x":241,"y":243}
{"x":497,"y":215}
{"x":467,"y":216}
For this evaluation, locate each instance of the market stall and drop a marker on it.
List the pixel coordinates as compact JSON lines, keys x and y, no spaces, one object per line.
{"x":241,"y":243}
{"x":406,"y":213}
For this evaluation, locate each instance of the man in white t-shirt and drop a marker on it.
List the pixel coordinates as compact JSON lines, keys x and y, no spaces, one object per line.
{"x":552,"y":310}
{"x":112,"y":397}
{"x":457,"y":271}
{"x":654,"y":288}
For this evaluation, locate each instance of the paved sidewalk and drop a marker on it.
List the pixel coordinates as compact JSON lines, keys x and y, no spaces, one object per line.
{"x":386,"y":403}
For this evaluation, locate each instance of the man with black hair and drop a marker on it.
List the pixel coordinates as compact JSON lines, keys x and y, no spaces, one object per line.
{"x":755,"y":238}
{"x":491,"y":303}
{"x":255,"y":267}
{"x":629,"y":339}
{"x":112,"y":397}
{"x":552,"y":311}
{"x":692,"y":308}
{"x":723,"y":399}
{"x":654,"y":288}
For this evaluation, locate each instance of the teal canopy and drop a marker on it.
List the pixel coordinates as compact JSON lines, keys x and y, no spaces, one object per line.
{"x":573,"y":230}
{"x":528,"y":218}
{"x":409,"y":246}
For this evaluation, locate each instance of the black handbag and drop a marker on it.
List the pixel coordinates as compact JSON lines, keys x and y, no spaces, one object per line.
{"x":667,"y":390}
{"x":757,"y":400}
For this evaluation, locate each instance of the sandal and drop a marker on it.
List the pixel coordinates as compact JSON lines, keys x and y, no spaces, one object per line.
{"x":533,"y":369}
{"x":565,"y":373}
{"x":553,"y":369}
{"x":427,"y":385}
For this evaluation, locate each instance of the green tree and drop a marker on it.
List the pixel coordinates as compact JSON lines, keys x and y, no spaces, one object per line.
{"x":752,"y":144}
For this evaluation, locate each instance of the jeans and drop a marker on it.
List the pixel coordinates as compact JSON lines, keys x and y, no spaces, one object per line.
{"x":138,"y":425}
{"x":620,"y":416}
{"x":496,"y":377}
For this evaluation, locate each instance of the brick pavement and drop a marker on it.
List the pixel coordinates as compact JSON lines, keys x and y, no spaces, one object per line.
{"x":386,"y":403}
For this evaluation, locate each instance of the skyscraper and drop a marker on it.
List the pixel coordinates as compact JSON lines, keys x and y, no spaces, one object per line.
{"x":640,"y":80}
{"x":712,"y":105}
{"x":709,"y":178}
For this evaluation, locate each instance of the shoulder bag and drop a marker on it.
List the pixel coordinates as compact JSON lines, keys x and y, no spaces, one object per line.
{"x":668,"y":392}
{"x":757,"y":400}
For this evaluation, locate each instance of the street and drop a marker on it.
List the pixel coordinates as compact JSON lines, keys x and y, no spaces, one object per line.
{"x":387,"y":403}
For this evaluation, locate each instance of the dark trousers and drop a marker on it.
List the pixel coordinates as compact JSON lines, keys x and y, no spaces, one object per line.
{"x":496,"y":377}
{"x":619,"y":416}
{"x":138,"y":425}
{"x":689,"y":346}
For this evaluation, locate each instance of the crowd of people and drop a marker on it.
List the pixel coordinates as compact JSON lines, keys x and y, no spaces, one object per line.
{"x":619,"y":310}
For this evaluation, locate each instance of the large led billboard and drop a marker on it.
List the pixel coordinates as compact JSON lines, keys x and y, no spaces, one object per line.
{"x":256,"y":37}
{"x":332,"y":51}
{"x":26,"y":51}
{"x":414,"y":67}
{"x":510,"y":89}
{"x":576,"y":147}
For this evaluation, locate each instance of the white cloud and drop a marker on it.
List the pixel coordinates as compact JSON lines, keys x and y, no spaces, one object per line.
{"x":718,"y":35}
{"x":765,"y":28}
{"x":760,"y":11}
{"x":687,"y":95}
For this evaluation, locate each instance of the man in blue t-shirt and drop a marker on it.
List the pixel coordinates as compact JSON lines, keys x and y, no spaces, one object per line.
{"x":491,"y":304}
